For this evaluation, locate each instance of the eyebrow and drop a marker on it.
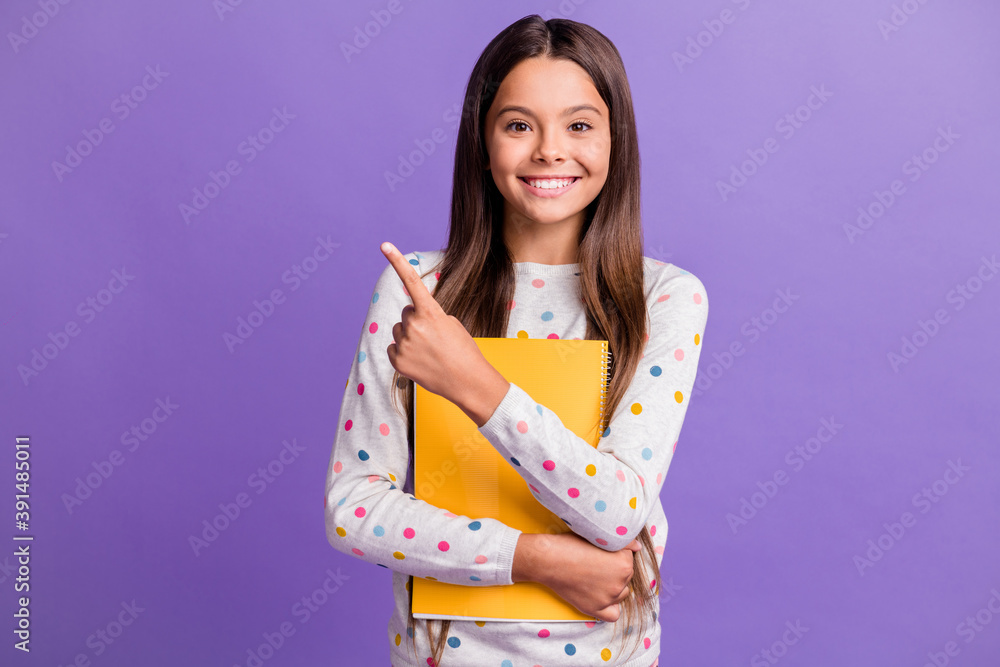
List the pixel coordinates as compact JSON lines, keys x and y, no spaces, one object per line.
{"x":567,"y":112}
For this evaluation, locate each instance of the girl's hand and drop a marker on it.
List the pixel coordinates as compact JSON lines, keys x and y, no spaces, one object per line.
{"x":589,"y":578}
{"x":431,"y":347}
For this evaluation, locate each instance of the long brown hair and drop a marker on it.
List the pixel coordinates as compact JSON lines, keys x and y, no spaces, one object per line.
{"x":477,"y":274}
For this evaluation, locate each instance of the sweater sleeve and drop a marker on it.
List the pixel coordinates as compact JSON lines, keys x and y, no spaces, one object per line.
{"x":606,"y":494}
{"x":368,"y":515}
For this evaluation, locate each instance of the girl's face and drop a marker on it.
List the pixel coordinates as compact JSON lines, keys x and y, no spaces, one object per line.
{"x":548,"y":121}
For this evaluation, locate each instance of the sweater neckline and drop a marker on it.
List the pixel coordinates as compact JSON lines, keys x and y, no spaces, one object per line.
{"x":537,"y":269}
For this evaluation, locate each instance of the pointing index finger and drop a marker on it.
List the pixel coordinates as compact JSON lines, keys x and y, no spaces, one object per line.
{"x":414,"y":286}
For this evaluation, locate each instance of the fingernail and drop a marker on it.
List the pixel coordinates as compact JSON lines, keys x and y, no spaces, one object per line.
{"x":386,"y":247}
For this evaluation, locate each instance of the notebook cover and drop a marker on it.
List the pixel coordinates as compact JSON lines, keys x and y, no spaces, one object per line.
{"x":457,"y":469}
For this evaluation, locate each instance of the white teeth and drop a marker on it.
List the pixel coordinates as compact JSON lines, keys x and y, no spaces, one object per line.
{"x":551,"y":184}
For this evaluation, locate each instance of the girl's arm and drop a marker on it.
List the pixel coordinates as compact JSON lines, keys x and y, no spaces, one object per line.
{"x":368,"y":514}
{"x":606,"y":494}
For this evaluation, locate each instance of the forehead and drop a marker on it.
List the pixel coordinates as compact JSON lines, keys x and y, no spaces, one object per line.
{"x":547,"y":86}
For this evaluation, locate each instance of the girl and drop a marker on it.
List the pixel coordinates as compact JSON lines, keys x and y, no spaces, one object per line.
{"x":545,"y":241}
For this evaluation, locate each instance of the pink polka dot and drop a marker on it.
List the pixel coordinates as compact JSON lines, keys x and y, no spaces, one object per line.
{"x":591,"y":624}
{"x":522,"y":426}
{"x":481,"y":559}
{"x":533,"y":488}
{"x":697,"y":297}
{"x":620,"y":475}
{"x":675,"y":445}
{"x":383,"y":429}
{"x":361,"y":388}
{"x":538,"y":282}
{"x":679,"y":354}
{"x":443,"y":546}
{"x":408,"y":533}
{"x":652,"y":530}
{"x":338,"y":466}
{"x":437,"y":274}
{"x":373,"y":327}
{"x":646,"y":642}
{"x":663,"y":298}
{"x":348,"y":424}
{"x":642,"y":481}
{"x":603,"y":542}
{"x":360,"y":512}
{"x":543,"y":633}
{"x":511,"y":304}
{"x":621,"y":530}
{"x":658,"y":550}
{"x":549,"y":465}
{"x":573,"y":493}
{"x":358,"y":551}
{"x":552,"y":335}
{"x":659,"y":477}
{"x":373,"y":478}
{"x":454,"y":515}
{"x":652,"y":585}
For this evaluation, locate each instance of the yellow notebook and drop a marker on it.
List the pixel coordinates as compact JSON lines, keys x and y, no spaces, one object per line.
{"x":457,"y":469}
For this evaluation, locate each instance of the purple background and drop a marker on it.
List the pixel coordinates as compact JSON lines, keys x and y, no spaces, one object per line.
{"x":727,"y":595}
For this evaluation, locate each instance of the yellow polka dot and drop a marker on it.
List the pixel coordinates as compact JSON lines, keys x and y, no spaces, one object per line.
{"x":636,"y":408}
{"x":480,"y":623}
{"x":631,"y":503}
{"x":591,"y":469}
{"x":407,"y":584}
{"x":341,"y":531}
{"x":522,"y":334}
{"x":606,"y":654}
{"x":697,"y":339}
{"x":393,"y":477}
{"x":430,"y":577}
{"x":398,"y":639}
{"x":398,"y":555}
{"x":678,"y":396}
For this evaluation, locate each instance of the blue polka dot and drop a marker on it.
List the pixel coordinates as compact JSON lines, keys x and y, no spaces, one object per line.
{"x":647,"y":453}
{"x":654,"y":613}
{"x":415,"y":262}
{"x":515,"y":461}
{"x":570,"y":649}
{"x":600,"y":506}
{"x":409,"y":631}
{"x":539,"y":408}
{"x":475,"y":525}
{"x":379,"y":531}
{"x":392,"y":486}
{"x":606,"y":433}
{"x":475,"y":578}
{"x":655,"y":371}
{"x":454,"y":642}
{"x":628,"y":630}
{"x":363,"y":455}
{"x":506,"y":663}
{"x":362,"y":356}
{"x":341,"y":501}
{"x":375,"y":297}
{"x":683,"y":272}
{"x":547,"y":315}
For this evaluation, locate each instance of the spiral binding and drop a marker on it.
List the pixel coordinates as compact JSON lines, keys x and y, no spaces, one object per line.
{"x":605,"y":366}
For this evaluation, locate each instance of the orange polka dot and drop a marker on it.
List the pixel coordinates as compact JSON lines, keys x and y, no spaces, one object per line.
{"x":522,"y":334}
{"x":398,"y":639}
{"x":398,"y":555}
{"x":480,"y":623}
{"x":392,"y":477}
{"x":591,"y":469}
{"x":605,"y":654}
{"x":636,"y":408}
{"x":678,"y":396}
{"x":341,"y":531}
{"x":697,"y":339}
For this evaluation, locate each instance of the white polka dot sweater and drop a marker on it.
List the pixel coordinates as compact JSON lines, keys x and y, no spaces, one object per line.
{"x":606,"y":495}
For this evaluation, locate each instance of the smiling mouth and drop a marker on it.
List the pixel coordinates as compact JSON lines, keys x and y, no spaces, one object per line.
{"x":549,"y":183}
